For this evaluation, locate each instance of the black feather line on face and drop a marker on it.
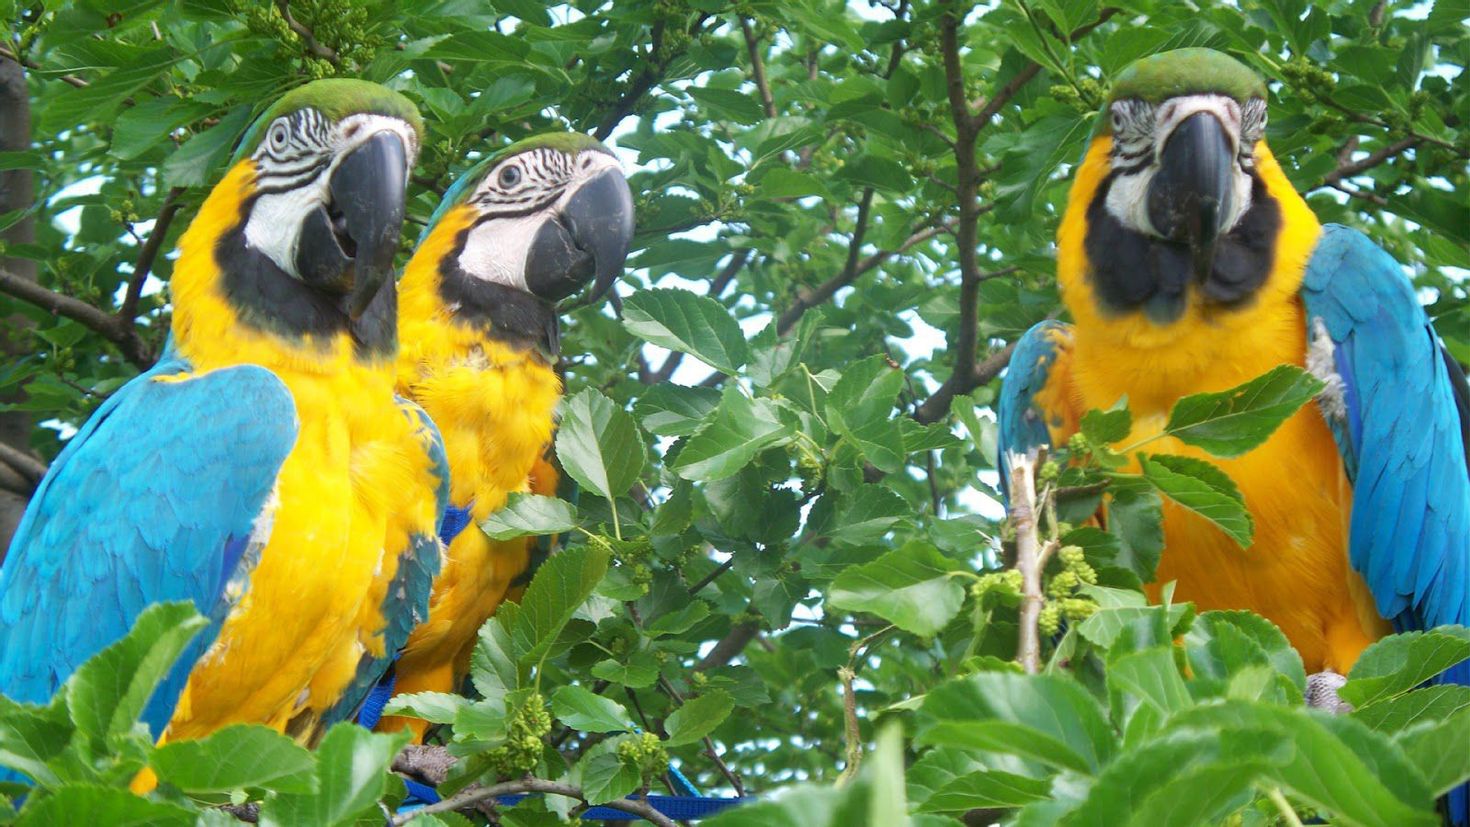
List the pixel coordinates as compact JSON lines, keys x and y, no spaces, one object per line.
{"x":1131,"y":271}
{"x":269,"y":299}
{"x":503,"y":313}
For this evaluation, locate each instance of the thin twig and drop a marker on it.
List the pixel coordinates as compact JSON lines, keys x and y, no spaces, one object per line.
{"x":475,"y":795}
{"x":307,"y":36}
{"x":1348,"y":168}
{"x":149,"y":253}
{"x":757,"y":67}
{"x":73,"y":80}
{"x":712,"y":576}
{"x":728,"y":647}
{"x":827,"y":289}
{"x":1023,"y":514}
{"x":852,"y":736}
{"x":118,"y":331}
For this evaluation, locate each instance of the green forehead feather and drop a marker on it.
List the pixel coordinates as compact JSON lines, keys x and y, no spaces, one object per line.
{"x":569,"y":142}
{"x":1184,"y":72}
{"x":335,"y":98}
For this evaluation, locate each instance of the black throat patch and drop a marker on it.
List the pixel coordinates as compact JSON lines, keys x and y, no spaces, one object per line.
{"x":271,"y":300}
{"x":503,"y":313}
{"x":1131,"y":271}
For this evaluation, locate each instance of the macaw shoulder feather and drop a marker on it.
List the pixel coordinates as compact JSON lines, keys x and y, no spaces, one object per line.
{"x":166,"y":493}
{"x":1034,"y":403}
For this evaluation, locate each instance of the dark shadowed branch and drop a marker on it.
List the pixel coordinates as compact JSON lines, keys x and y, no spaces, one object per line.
{"x":116,"y":330}
{"x":146,"y":256}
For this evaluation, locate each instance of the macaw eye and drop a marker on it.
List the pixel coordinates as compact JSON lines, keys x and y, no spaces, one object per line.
{"x":510,"y":176}
{"x":280,"y":135}
{"x":1117,"y":120}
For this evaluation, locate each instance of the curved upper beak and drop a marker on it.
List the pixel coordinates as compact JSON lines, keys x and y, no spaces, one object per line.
{"x":586,"y":241}
{"x":367,"y":198}
{"x":1191,"y":197}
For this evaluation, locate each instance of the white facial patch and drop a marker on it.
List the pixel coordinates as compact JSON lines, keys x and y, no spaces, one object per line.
{"x":1127,"y":199}
{"x":274,"y":226}
{"x":499,"y":246}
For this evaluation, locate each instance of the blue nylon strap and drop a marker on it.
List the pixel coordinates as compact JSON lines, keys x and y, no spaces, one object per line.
{"x":455,"y":520}
{"x":676,"y":807}
{"x":372,"y":706}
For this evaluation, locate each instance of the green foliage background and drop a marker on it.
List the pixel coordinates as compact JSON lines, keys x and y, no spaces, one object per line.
{"x":871,"y":189}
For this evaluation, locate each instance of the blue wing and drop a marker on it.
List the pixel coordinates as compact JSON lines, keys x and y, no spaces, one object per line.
{"x":407,"y":602}
{"x":1026,"y":418}
{"x":1397,"y":409}
{"x":155,"y":498}
{"x":1399,"y":428}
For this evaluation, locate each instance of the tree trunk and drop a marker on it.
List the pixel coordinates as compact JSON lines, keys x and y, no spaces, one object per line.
{"x":17,"y":191}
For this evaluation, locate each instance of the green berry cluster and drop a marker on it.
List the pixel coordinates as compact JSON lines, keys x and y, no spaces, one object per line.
{"x":1063,"y":603}
{"x":521,"y":751}
{"x":1007,"y":583}
{"x":646,"y":752}
{"x":1308,"y":77}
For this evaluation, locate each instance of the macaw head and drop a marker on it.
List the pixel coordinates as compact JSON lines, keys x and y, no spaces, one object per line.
{"x":1184,"y":126}
{"x":525,"y":228}
{"x":324,"y":206}
{"x":1178,"y":194}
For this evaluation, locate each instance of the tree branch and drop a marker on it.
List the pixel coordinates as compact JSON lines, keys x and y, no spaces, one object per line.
{"x":757,"y":68}
{"x":1347,"y":168}
{"x":22,"y":463}
{"x":936,"y":407}
{"x":7,"y":52}
{"x":1024,"y":518}
{"x":645,"y":80}
{"x":116,"y":330}
{"x":476,"y":795}
{"x":149,"y":253}
{"x":729,"y":647}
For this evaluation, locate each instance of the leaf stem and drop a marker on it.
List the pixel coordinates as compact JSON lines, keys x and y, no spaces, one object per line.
{"x":1288,"y":813}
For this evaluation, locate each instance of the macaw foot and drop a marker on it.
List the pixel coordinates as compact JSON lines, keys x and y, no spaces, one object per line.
{"x":1322,"y":692}
{"x":428,"y":763}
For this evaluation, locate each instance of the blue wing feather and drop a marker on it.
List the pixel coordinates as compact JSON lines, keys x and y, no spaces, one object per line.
{"x":1400,"y":430}
{"x":407,"y":602}
{"x":155,"y":498}
{"x":1022,"y":421}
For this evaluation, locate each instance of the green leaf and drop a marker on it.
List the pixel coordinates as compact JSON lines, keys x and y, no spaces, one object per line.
{"x":352,"y":776}
{"x":867,"y":513}
{"x":1438,"y":750}
{"x":1040,"y":717}
{"x":860,"y":405}
{"x":1229,"y":423}
{"x":1151,"y":676}
{"x":698,"y":717}
{"x":728,"y":104}
{"x":493,"y":667}
{"x":1335,"y":763}
{"x":435,"y":707}
{"x":1106,"y":427}
{"x":598,"y":444}
{"x":1432,"y":703}
{"x":985,"y":788}
{"x":912,"y":589}
{"x":742,"y":427}
{"x":587,"y":712}
{"x":525,"y":514}
{"x":1221,"y":644}
{"x":194,"y":163}
{"x":678,"y":621}
{"x":107,"y":694}
{"x":674,"y":410}
{"x":696,"y":325}
{"x":243,"y":756}
{"x":1136,"y":518}
{"x":31,"y":736}
{"x":633,"y":674}
{"x":604,"y":775}
{"x":561,"y":585}
{"x":1202,"y":488}
{"x":82,"y":805}
{"x":1397,"y":663}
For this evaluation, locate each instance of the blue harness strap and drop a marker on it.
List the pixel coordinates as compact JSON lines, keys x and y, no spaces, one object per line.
{"x":378,"y":696}
{"x":455,"y":520}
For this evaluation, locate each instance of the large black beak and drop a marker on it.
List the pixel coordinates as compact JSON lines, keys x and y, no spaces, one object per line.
{"x":1192,"y":195}
{"x":587,"y":241}
{"x":349,"y":245}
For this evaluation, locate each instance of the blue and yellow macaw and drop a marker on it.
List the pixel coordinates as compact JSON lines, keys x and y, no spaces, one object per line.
{"x":523,"y":229}
{"x":1190,"y":264}
{"x":264,"y":468}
